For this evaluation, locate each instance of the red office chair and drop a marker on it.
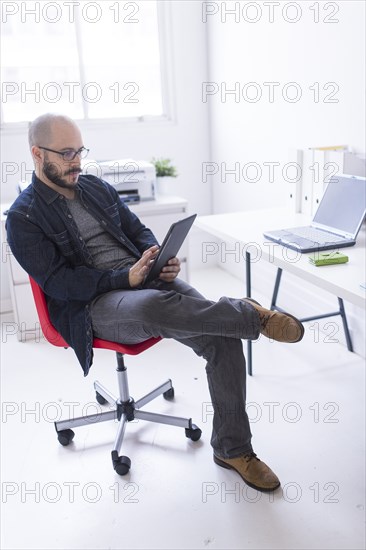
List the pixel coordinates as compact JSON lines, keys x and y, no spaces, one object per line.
{"x":125,"y":408}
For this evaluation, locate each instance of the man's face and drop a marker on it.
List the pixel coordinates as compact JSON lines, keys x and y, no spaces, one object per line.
{"x":55,"y":168}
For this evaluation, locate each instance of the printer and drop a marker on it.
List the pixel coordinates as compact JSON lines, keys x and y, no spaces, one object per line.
{"x":134,"y":180}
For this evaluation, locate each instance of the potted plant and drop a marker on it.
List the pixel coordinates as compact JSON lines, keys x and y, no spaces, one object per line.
{"x":165,"y":172}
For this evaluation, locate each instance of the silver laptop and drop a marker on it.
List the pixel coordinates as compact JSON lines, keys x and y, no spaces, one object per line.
{"x":337,"y":220}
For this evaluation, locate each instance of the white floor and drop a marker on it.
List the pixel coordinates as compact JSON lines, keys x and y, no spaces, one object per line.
{"x":306,"y":403}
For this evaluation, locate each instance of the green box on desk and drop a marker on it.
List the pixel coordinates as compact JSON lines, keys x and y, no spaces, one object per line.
{"x":328,"y":258}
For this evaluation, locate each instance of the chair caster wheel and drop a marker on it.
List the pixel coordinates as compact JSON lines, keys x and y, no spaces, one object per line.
{"x":169,"y":394}
{"x":100,"y":399}
{"x":121,"y":464}
{"x":65,"y":437}
{"x":193,"y":433}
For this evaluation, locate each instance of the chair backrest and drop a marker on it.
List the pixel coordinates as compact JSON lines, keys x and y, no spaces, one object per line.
{"x":55,"y":338}
{"x":49,"y":331}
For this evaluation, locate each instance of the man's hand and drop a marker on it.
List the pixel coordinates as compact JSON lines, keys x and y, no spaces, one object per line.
{"x":141,"y":268}
{"x":170,"y":270}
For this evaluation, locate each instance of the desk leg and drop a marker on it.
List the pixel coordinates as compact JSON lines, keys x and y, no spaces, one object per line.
{"x":276,"y":288}
{"x":345,"y":324}
{"x":249,"y":291}
{"x":340,"y":312}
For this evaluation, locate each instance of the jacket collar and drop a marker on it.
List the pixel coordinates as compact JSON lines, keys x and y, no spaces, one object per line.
{"x":48,"y":194}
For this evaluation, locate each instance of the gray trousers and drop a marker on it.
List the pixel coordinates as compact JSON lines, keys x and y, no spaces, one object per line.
{"x":214,"y":331}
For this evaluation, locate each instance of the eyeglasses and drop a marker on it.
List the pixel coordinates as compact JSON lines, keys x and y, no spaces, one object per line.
{"x":69,"y":154}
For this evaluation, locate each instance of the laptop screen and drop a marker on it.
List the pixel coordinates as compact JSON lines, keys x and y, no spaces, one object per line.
{"x":343,"y":204}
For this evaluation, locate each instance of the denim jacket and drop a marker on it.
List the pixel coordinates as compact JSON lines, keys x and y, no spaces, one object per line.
{"x":46,"y":242}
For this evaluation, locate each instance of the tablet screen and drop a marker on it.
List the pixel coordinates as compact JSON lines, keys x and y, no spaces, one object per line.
{"x":170,"y":246}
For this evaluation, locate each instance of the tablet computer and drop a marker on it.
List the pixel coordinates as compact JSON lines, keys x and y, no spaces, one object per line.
{"x":170,"y":246}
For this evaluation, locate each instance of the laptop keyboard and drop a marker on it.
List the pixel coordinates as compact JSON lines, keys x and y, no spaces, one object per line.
{"x":316,"y":235}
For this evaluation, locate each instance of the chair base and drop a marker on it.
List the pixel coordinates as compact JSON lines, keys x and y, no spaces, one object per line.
{"x":125,"y":409}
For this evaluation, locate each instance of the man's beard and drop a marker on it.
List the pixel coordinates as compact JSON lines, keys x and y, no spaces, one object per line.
{"x":53,"y":173}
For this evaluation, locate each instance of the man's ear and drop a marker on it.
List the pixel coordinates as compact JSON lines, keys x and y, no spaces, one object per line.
{"x":36,"y":153}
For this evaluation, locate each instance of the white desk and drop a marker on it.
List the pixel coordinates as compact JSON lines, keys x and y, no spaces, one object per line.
{"x":247,"y":229}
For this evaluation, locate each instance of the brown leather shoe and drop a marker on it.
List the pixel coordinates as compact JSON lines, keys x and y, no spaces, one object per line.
{"x":282,"y":327}
{"x":253,"y":471}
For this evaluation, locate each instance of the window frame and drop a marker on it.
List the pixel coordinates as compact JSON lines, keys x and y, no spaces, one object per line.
{"x":168,"y":117}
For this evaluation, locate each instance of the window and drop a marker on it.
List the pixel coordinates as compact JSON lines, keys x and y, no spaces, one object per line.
{"x":90,"y":60}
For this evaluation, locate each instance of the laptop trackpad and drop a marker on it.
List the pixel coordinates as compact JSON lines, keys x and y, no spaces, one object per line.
{"x":287,"y":237}
{"x":298,"y":241}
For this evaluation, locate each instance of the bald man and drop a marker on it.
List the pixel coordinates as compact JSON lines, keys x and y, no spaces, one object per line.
{"x":90,"y":254}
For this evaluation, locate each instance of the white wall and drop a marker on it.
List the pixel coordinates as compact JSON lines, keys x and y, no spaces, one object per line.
{"x":185,"y":140}
{"x":304,"y":52}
